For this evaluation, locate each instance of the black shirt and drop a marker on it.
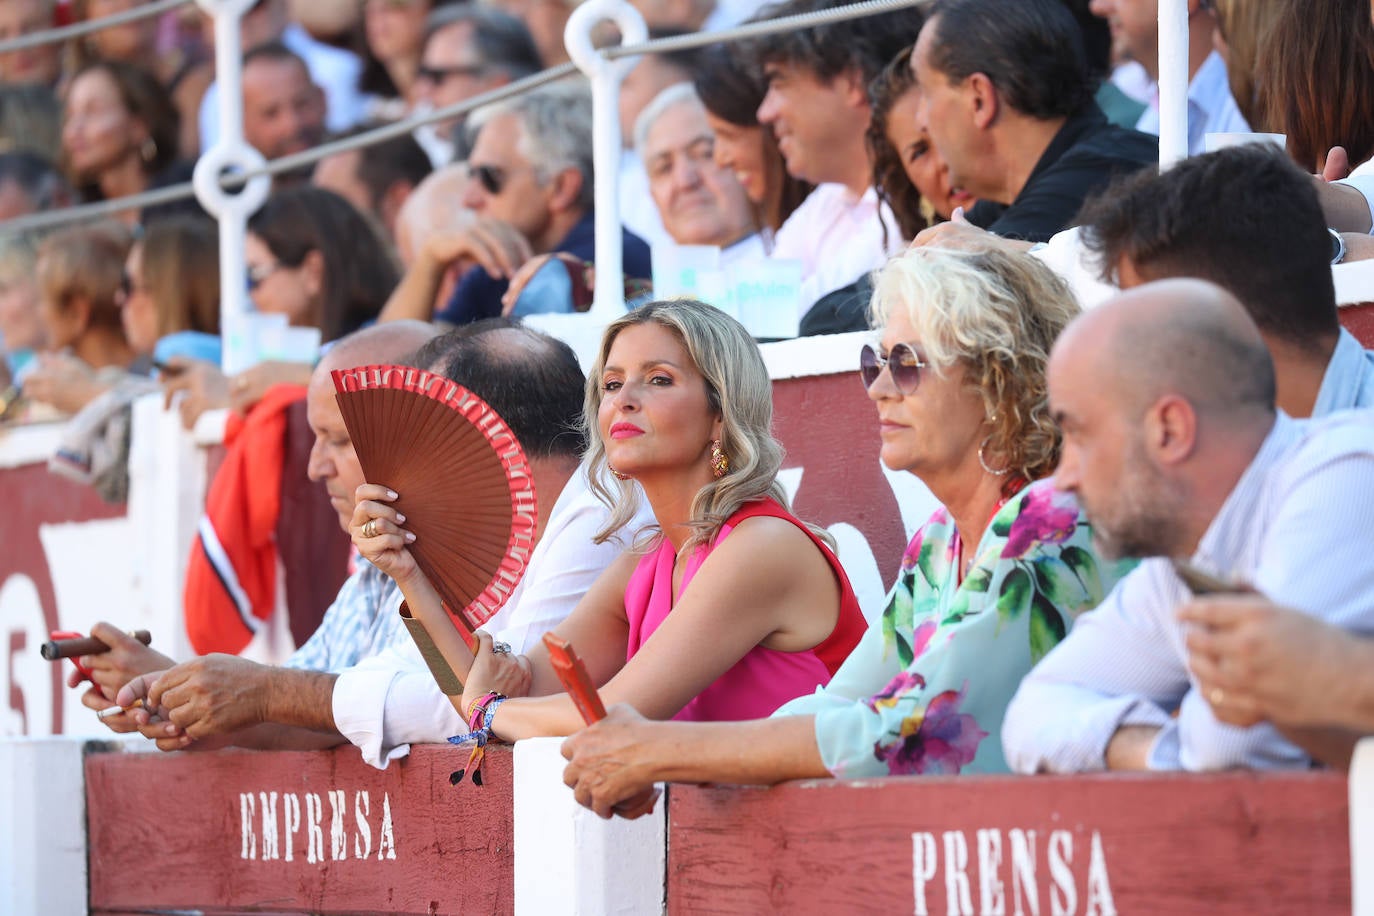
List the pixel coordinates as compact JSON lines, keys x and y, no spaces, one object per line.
{"x":1084,"y":156}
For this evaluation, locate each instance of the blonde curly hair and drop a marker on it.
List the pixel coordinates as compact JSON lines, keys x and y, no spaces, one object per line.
{"x":998,"y":313}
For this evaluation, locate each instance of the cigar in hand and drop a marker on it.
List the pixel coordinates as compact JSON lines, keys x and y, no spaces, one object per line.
{"x":110,"y":712}
{"x":70,"y":645}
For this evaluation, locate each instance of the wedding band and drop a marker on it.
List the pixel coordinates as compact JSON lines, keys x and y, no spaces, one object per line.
{"x":500,"y":648}
{"x":370,"y":529}
{"x":1216,"y":696}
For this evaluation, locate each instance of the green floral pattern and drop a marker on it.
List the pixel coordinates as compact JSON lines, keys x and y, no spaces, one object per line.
{"x":926,"y":691}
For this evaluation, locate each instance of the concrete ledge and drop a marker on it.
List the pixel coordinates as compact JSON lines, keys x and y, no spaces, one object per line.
{"x":568,"y":861}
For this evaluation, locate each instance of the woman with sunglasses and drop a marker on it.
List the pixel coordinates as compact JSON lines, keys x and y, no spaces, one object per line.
{"x":308,"y":255}
{"x":728,"y":608}
{"x":170,"y":290}
{"x":987,"y":586}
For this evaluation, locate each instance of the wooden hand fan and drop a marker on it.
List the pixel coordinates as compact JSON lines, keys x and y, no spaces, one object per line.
{"x":465,"y":487}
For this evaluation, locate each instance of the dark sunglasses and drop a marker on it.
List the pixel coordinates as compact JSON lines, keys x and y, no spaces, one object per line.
{"x":439,"y":74}
{"x":490,"y":177}
{"x":902,"y":362}
{"x":258,"y":274}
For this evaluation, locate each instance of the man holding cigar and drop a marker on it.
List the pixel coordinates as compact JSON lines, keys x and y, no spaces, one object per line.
{"x":381,"y":696}
{"x":362,"y":596}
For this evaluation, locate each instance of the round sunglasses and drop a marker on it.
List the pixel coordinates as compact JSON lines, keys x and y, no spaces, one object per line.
{"x":901,"y":362}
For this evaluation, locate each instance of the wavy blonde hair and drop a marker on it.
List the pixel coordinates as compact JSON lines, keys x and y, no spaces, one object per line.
{"x":997,"y":313}
{"x":737,"y":387}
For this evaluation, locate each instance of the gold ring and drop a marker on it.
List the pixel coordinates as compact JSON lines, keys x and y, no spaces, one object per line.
{"x":370,"y":529}
{"x":1216,"y":696}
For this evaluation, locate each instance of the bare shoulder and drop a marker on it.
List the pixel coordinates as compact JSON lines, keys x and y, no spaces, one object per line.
{"x":773,"y":547}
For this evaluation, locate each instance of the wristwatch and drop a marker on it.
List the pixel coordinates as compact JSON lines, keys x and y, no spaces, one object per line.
{"x":1337,"y":246}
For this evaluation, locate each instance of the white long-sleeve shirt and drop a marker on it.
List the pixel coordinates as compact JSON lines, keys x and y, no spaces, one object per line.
{"x":390,"y":701}
{"x":1298,"y":526}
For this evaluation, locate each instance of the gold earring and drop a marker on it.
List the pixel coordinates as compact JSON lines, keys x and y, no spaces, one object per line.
{"x":618,"y":475}
{"x":720,"y":462}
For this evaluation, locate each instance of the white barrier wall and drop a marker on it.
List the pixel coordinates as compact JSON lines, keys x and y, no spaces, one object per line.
{"x":1362,"y":829}
{"x":568,"y":861}
{"x":42,"y":826}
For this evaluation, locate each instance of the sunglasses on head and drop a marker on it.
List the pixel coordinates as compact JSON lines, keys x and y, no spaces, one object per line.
{"x":901,"y":362}
{"x":490,"y":177}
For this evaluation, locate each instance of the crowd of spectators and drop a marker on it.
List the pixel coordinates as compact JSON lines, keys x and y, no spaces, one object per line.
{"x":1095,"y":367}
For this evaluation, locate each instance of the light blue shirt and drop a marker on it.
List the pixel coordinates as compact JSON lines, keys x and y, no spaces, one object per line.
{"x":1349,"y":379}
{"x":362,"y":622}
{"x":1298,"y":526}
{"x":1211,"y":107}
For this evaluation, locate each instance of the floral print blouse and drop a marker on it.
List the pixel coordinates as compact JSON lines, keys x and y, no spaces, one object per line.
{"x":926,"y":691}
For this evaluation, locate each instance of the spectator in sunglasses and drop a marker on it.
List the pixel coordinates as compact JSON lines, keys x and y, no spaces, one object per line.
{"x":987,"y":586}
{"x":469,"y":49}
{"x":531,"y":191}
{"x":312,"y":257}
{"x":169,"y":296}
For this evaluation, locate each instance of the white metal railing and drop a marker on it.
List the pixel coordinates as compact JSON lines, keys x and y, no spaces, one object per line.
{"x":1173,"y":82}
{"x":89,"y":26}
{"x":605,"y":67}
{"x":230,"y":154}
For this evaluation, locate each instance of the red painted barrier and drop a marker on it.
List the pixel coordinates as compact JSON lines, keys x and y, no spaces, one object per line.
{"x":296,"y":832}
{"x":1359,"y":320}
{"x":34,"y":500}
{"x":1242,"y":843}
{"x":829,"y":429}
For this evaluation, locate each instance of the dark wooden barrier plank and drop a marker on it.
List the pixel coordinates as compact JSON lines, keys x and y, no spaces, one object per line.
{"x":196,"y":831}
{"x":830,"y":430}
{"x":1220,"y":844}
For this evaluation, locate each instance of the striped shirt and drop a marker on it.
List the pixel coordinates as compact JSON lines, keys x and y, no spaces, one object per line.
{"x":1298,"y":525}
{"x":362,"y":621}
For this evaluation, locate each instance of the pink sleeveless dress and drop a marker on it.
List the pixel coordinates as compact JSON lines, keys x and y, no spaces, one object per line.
{"x":764,"y":678}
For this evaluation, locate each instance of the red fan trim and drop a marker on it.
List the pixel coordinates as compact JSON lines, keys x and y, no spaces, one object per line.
{"x":524,"y":521}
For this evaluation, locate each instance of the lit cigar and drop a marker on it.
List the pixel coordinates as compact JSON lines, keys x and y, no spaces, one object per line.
{"x":86,"y":645}
{"x":113,"y":711}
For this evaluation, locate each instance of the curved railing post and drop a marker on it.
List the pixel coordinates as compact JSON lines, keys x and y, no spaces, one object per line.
{"x":1173,"y":82}
{"x":230,"y":154}
{"x":608,"y":296}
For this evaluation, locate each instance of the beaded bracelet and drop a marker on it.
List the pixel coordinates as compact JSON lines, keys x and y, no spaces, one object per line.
{"x":482,"y":710}
{"x":490,"y":715}
{"x":477,"y":711}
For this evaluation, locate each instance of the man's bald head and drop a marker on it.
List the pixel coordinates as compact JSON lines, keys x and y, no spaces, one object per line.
{"x":532,"y":381}
{"x":392,"y":342}
{"x":1178,"y":336}
{"x":333,"y":462}
{"x":434,"y":207}
{"x":1161,"y":393}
